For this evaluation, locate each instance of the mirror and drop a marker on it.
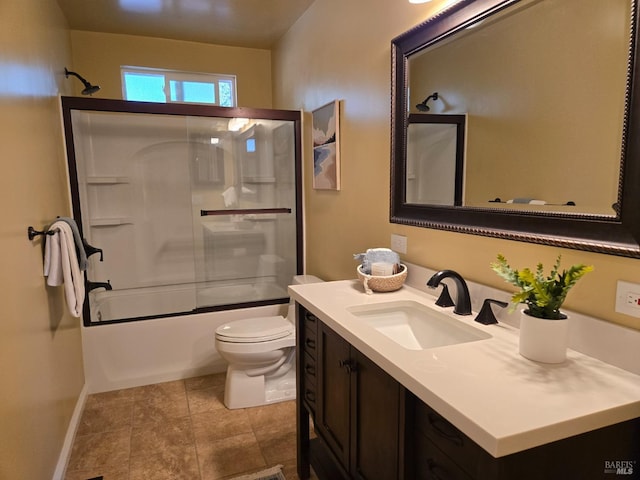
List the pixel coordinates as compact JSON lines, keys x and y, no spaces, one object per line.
{"x":546,"y":88}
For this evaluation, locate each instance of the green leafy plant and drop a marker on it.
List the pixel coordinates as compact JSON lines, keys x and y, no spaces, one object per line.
{"x":543,"y":295}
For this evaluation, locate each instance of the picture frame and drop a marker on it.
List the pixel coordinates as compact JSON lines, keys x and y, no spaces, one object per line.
{"x":326,"y":146}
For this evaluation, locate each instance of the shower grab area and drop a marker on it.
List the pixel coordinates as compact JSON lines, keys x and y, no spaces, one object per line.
{"x":195,"y":208}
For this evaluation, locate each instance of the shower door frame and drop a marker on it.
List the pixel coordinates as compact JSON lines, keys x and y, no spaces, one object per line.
{"x":70,"y":104}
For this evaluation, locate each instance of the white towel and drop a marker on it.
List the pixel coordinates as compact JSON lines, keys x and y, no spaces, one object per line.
{"x":52,"y":263}
{"x":60,"y":255}
{"x":230,"y":197}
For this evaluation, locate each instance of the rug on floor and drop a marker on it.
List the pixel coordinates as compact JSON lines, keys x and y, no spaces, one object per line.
{"x":273,"y":473}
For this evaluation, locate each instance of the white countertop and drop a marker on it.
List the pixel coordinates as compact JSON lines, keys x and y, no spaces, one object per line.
{"x":503,"y":401}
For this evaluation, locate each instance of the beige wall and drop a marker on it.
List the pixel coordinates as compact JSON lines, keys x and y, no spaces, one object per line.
{"x":531,"y":113}
{"x":40,"y":345}
{"x":342,"y":50}
{"x":336,"y":50}
{"x":98,"y":57}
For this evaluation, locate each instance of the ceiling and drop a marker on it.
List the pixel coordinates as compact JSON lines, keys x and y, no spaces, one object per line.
{"x":242,"y":23}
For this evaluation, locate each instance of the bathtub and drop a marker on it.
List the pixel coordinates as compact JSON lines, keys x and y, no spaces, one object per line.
{"x":130,"y":354}
{"x":141,"y":302}
{"x":170,"y":299}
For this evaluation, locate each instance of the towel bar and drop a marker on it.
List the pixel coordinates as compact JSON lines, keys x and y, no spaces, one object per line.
{"x":89,"y":249}
{"x":33,"y":233}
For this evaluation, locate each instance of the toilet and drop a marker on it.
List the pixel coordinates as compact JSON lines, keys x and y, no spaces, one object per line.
{"x":261,"y":356}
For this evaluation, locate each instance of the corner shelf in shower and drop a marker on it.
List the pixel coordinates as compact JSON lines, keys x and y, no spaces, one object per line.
{"x":106,"y":180}
{"x":260,"y":218}
{"x":258,"y":179}
{"x":110,"y":222}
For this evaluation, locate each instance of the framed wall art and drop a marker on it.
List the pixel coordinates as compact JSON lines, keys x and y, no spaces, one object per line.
{"x":326,"y":146}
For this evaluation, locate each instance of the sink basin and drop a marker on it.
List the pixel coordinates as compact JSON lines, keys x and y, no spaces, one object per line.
{"x":415,"y":326}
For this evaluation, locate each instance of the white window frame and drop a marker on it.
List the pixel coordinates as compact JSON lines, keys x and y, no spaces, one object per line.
{"x":182,"y":76}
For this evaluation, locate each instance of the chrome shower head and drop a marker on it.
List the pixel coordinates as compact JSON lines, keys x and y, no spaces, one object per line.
{"x":88,"y":88}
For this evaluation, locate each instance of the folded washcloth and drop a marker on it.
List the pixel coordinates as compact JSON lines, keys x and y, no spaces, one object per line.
{"x":373,"y":255}
{"x":530,"y":201}
{"x":60,"y":256}
{"x":82,"y":255}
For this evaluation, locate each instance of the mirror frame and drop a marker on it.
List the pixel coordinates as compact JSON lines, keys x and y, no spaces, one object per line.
{"x":614,"y":235}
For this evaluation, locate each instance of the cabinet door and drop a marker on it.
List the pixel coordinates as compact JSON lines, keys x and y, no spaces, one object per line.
{"x":333,"y":398}
{"x":375,"y":416}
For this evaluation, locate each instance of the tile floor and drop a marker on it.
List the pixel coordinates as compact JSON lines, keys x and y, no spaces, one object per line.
{"x":180,"y":430}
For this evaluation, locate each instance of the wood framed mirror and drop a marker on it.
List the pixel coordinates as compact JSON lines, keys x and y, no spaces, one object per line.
{"x":552,"y":136}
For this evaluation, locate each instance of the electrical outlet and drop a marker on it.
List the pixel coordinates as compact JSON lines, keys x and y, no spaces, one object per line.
{"x":628,"y":298}
{"x":398,"y":243}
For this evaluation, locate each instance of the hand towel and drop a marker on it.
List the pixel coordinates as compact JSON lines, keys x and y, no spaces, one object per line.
{"x":230,"y":197}
{"x":73,"y":278}
{"x":52,"y":262}
{"x":82,"y":255}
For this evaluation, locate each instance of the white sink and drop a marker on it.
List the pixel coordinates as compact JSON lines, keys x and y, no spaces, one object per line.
{"x":416,"y":326}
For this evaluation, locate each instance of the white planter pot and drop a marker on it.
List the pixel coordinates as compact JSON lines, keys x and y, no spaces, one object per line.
{"x":543,"y":340}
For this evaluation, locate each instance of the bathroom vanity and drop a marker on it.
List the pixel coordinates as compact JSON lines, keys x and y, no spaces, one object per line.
{"x":468,"y":408}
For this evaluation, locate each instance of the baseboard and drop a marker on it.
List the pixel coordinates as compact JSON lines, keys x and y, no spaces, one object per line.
{"x":65,"y":453}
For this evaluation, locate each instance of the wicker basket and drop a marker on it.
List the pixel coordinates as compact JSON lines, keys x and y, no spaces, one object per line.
{"x":388,"y":283}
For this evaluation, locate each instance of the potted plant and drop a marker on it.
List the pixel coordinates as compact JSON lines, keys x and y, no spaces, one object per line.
{"x":543,"y":327}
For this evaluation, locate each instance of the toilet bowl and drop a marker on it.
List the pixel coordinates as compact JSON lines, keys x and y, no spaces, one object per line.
{"x":261,"y":356}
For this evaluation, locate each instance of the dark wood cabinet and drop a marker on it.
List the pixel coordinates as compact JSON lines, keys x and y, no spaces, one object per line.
{"x":307,"y":368}
{"x":369,"y":427}
{"x":377,"y":410}
{"x":441,"y":451}
{"x":357,"y":406}
{"x":332,"y":420}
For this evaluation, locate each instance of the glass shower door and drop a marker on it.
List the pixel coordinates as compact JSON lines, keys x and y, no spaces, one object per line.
{"x":244,"y":215}
{"x":192,"y":211}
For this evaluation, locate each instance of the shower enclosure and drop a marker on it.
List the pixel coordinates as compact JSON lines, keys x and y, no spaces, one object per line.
{"x":193,"y":208}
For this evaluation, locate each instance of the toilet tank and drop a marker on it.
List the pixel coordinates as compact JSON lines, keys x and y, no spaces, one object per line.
{"x":300,"y":280}
{"x":304,"y":279}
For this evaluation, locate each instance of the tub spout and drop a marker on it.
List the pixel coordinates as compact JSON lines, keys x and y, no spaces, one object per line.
{"x":463,"y":299}
{"x":94,"y":285}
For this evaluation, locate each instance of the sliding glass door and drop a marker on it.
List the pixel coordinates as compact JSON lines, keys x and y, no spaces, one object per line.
{"x":194,"y":208}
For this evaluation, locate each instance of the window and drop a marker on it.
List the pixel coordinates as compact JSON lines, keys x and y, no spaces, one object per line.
{"x":166,"y":86}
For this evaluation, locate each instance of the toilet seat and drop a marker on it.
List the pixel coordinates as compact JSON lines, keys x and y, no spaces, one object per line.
{"x":255,"y":330}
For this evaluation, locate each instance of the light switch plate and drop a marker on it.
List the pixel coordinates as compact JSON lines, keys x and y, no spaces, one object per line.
{"x":398,"y":243}
{"x":628,"y":298}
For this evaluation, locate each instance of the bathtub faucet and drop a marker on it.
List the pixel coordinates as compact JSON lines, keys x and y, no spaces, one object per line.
{"x":94,"y":285}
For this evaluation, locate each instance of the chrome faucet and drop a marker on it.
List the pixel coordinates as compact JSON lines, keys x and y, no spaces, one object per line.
{"x":463,"y":299}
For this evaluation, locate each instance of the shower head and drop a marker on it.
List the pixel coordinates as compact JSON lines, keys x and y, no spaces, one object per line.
{"x":423,"y":107}
{"x":88,"y":88}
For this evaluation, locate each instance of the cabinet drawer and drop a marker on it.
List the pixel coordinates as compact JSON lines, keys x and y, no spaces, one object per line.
{"x":310,"y":320}
{"x":433,"y":464}
{"x":455,"y":444}
{"x":309,"y":366}
{"x":310,"y":396}
{"x":310,"y":342}
{"x":308,"y":376}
